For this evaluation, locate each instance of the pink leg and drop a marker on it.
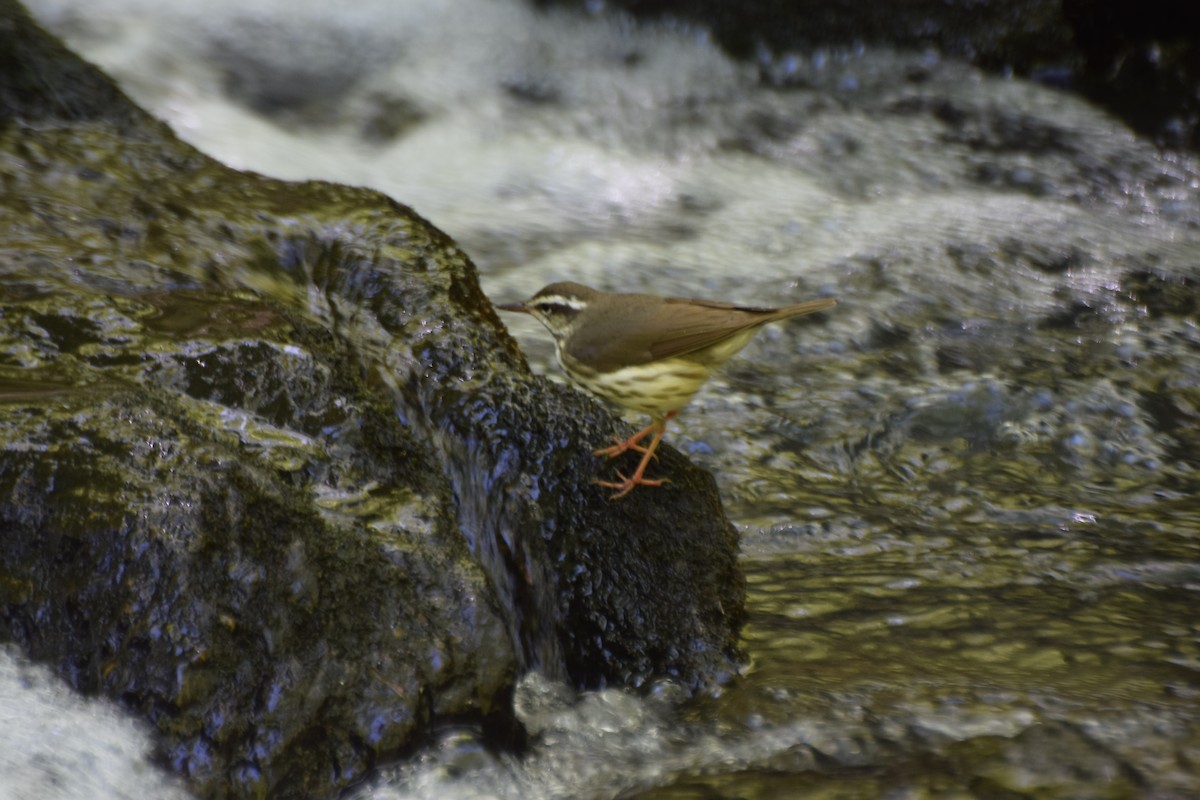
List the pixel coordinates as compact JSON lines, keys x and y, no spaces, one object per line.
{"x":626,"y":484}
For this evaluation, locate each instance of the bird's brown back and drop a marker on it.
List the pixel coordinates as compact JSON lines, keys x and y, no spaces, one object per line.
{"x":645,"y":328}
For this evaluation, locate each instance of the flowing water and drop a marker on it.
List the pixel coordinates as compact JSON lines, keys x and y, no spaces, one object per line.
{"x":968,"y":495}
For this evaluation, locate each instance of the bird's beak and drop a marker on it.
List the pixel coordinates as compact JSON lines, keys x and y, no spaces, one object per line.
{"x":520,"y":308}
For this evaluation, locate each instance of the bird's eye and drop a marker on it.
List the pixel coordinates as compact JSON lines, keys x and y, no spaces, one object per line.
{"x":557,"y":309}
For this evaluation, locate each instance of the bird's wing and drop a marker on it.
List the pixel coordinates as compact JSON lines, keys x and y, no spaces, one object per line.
{"x":642,"y":333}
{"x":720,"y":321}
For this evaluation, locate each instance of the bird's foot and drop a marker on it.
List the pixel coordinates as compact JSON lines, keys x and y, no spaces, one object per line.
{"x":624,"y":445}
{"x":621,"y":446}
{"x":627,"y":484}
{"x":657,"y":427}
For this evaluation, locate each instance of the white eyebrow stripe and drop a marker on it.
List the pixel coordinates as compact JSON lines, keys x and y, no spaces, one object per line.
{"x":573,"y":303}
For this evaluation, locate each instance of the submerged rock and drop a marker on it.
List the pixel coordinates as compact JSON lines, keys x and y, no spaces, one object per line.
{"x":273,"y":475}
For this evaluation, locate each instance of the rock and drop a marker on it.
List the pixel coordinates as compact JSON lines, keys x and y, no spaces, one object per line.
{"x":273,"y":475}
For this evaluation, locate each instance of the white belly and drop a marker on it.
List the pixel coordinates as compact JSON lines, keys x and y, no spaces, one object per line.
{"x":657,"y":388}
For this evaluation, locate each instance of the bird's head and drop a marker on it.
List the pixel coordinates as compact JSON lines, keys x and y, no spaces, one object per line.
{"x":557,"y":306}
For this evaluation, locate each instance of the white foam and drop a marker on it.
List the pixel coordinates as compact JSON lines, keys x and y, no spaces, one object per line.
{"x":56,"y":745}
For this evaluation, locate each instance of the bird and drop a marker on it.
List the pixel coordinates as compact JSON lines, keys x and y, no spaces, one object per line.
{"x":645,"y":353}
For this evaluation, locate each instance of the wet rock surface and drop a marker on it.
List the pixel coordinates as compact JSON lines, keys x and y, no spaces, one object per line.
{"x":273,"y":477}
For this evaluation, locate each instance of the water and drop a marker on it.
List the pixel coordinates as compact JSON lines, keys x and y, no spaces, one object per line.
{"x":55,"y":745}
{"x":967,"y":494}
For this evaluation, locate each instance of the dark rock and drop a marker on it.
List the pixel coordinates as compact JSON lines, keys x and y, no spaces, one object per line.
{"x":273,"y":475}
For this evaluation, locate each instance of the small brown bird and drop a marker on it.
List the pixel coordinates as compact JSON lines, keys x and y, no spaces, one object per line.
{"x":644,"y":352}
